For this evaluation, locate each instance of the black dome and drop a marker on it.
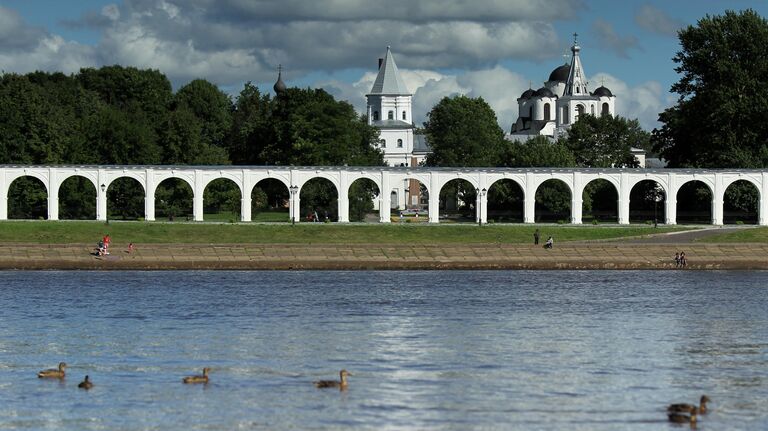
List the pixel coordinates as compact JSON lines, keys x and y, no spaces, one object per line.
{"x":527,"y":94}
{"x":544,"y":92}
{"x":602,"y":92}
{"x":560,"y":73}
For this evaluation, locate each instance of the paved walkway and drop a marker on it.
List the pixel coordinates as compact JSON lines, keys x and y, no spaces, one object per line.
{"x":573,"y":255}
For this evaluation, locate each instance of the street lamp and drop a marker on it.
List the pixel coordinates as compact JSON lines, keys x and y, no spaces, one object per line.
{"x":103,"y":188}
{"x":293,"y":189}
{"x":405,"y":194}
{"x":656,"y":200}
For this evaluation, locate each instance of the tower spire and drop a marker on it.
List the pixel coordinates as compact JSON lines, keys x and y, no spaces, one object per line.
{"x":576,"y":85}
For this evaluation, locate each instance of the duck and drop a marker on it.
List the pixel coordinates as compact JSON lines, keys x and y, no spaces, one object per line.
{"x":341,"y":383}
{"x":53,"y":373}
{"x":199,"y":378}
{"x":687,"y":408}
{"x":684,"y":418}
{"x":86,"y":383}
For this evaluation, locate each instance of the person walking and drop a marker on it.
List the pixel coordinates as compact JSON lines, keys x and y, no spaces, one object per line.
{"x":536,"y":237}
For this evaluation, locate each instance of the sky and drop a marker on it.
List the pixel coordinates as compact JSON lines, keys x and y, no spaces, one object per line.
{"x":494,"y":49}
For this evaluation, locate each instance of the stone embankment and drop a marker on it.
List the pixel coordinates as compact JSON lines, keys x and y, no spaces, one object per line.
{"x":573,"y":255}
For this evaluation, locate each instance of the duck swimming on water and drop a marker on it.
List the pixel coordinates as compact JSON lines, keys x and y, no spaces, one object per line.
{"x":198,"y":378}
{"x":684,"y":418}
{"x":53,"y":373}
{"x":85,"y":384}
{"x":341,"y":384}
{"x":687,"y":408}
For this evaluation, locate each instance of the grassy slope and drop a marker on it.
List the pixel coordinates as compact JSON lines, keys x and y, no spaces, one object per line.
{"x":758,"y":234}
{"x":62,"y":232}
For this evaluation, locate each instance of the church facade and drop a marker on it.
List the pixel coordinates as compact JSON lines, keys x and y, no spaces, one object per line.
{"x":552,"y":109}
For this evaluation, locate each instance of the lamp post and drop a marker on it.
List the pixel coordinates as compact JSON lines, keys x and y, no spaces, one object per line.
{"x":405,"y":194}
{"x":103,"y":188}
{"x":656,"y":200}
{"x":293,"y":189}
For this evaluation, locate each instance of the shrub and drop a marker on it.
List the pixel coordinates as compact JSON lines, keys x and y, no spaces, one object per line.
{"x":595,"y":222}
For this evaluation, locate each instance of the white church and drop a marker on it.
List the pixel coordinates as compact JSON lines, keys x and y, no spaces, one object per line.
{"x":553,"y":108}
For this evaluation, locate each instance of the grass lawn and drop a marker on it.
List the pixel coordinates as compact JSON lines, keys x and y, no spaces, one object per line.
{"x":62,"y":232}
{"x":757,"y":234}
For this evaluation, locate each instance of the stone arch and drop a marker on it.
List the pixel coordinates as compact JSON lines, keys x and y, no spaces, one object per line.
{"x":270,"y":198}
{"x":458,"y":200}
{"x":506,"y":201}
{"x":415,"y":199}
{"x":174,"y":198}
{"x":319,"y":194}
{"x":77,"y":198}
{"x":361,"y":196}
{"x":222,"y":198}
{"x":553,"y":201}
{"x":28,"y":197}
{"x":694,"y":202}
{"x":647,"y":202}
{"x":600,"y":201}
{"x":125,"y":198}
{"x":741,"y":202}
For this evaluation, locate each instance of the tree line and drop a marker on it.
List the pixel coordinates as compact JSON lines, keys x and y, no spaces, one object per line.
{"x":124,"y":115}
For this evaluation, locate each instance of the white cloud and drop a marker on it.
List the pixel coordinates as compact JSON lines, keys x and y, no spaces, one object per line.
{"x":610,"y":40}
{"x":644,"y":101}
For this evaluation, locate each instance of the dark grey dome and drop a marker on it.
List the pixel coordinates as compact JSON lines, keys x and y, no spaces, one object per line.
{"x":602,"y":92}
{"x":560,"y":73}
{"x":527,"y":94}
{"x":279,"y":86}
{"x":544,"y":92}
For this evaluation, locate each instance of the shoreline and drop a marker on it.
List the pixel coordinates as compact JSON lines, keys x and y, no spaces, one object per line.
{"x":571,"y":255}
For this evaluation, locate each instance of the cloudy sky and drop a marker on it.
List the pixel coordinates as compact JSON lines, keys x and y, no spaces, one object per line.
{"x":488,"y":48}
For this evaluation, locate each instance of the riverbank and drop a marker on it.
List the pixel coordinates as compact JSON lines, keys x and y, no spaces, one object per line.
{"x":569,"y":255}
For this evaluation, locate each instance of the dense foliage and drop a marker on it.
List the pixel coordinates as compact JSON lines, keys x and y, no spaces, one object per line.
{"x":123,"y":115}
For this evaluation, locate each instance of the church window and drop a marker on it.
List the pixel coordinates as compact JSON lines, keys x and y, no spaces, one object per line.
{"x":375,"y":115}
{"x":592,"y":108}
{"x":546,"y":112}
{"x":565,"y":115}
{"x":383,"y":143}
{"x":530,"y":112}
{"x":404,"y":116}
{"x":579,"y":111}
{"x":606,"y":110}
{"x":577,"y":90}
{"x":391,"y":115}
{"x":399,"y":143}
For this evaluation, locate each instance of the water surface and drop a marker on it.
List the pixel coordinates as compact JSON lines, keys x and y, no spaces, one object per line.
{"x":578,"y":350}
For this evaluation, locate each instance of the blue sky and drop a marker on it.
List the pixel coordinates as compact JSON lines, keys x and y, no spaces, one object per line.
{"x":488,"y":48}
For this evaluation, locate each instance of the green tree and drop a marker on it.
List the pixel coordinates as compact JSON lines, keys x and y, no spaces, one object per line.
{"x":463,"y":131}
{"x":605,"y":141}
{"x":539,"y":151}
{"x":719,"y":118}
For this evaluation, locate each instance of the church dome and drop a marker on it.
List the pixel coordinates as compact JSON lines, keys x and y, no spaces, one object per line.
{"x":527,"y":94}
{"x":279,"y":86}
{"x":560,"y":73}
{"x":602,"y":92}
{"x":544,"y":92}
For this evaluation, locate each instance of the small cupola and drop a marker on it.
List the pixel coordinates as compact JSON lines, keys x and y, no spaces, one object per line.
{"x":279,"y":86}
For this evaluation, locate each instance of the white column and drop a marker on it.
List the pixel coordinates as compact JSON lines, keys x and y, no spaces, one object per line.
{"x":762,"y":204}
{"x":245,"y":205}
{"x":623,"y":202}
{"x":671,"y":200}
{"x":717,"y":201}
{"x":434,"y":198}
{"x":576,"y":198}
{"x":385,"y":195}
{"x":484,"y":207}
{"x":101,"y":196}
{"x":197,"y":199}
{"x":343,"y":197}
{"x":529,"y":200}
{"x":53,"y":195}
{"x":149,"y":195}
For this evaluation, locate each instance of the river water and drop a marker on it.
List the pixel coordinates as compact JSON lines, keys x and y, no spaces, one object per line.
{"x":453,"y":350}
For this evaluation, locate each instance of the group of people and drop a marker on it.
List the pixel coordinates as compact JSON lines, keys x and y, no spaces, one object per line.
{"x":550,"y":241}
{"x":680,"y":259}
{"x":103,"y":246}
